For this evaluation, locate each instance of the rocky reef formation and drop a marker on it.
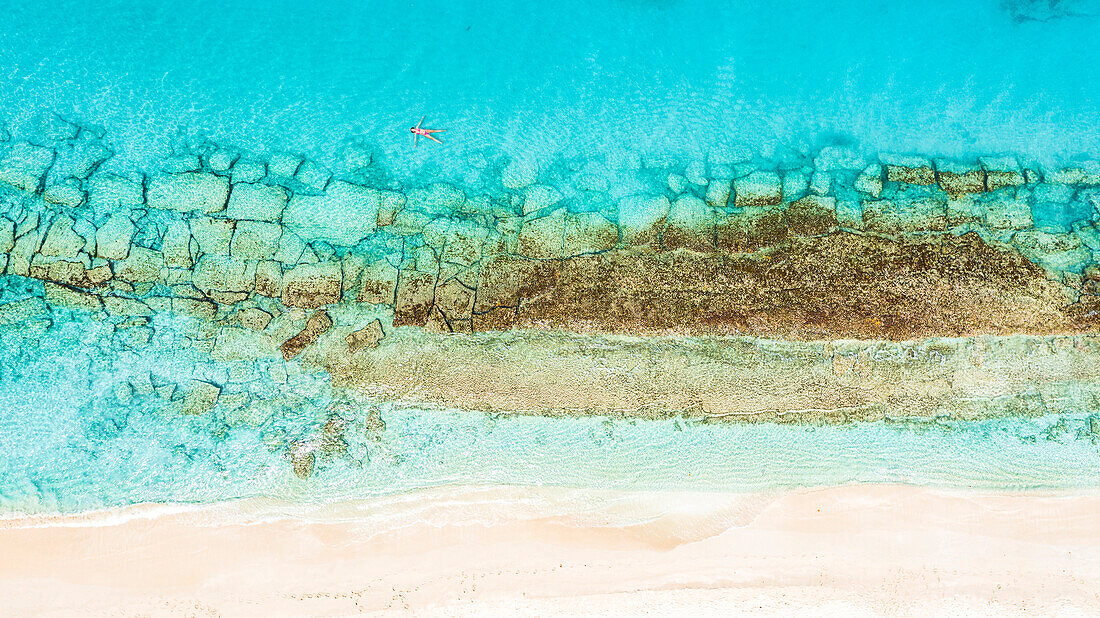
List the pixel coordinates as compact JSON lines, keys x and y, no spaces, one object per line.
{"x":731,"y":378}
{"x":279,"y":257}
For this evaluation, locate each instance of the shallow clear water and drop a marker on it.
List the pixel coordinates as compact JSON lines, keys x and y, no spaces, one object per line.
{"x":68,"y":442}
{"x":660,"y":77}
{"x":595,"y":80}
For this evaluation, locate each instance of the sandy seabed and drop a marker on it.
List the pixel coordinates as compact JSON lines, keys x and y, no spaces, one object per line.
{"x":846,"y":551}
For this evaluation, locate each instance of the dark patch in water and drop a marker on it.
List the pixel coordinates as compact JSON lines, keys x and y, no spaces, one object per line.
{"x":1046,"y":10}
{"x":835,"y":139}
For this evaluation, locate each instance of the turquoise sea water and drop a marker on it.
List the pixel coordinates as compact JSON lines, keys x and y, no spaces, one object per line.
{"x":659,"y":77}
{"x":70,"y":442}
{"x":596,"y":81}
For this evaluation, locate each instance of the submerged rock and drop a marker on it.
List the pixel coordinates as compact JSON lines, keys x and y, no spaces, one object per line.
{"x":65,"y":194}
{"x":216,"y":273}
{"x":839,"y":284}
{"x":114,"y":238}
{"x":110,"y":192}
{"x":313,"y":176}
{"x":312,"y":285}
{"x":958,"y":179}
{"x":454,"y":301}
{"x":588,"y":232}
{"x":48,"y":128}
{"x":140,"y":266}
{"x":1007,"y":214}
{"x":269,"y":279}
{"x":214,"y":236}
{"x":415,"y":297}
{"x":255,"y":240}
{"x":316,"y":325}
{"x":821,"y":183}
{"x":332,"y":436}
{"x":201,"y":397}
{"x":254,"y":319}
{"x":117,"y":305}
{"x":256,"y":202}
{"x":202,"y":309}
{"x":61,"y":240}
{"x":64,"y":296}
{"x":291,"y":249}
{"x":378,"y":283}
{"x":718,"y":193}
{"x":642,"y":217}
{"x":67,"y":272}
{"x":1080,"y":173}
{"x":538,"y":197}
{"x":188,"y":192}
{"x":22,"y":310}
{"x":79,"y":159}
{"x":758,"y":189}
{"x":795,"y":184}
{"x":374,"y":424}
{"x":243,"y":344}
{"x":678,"y":184}
{"x":832,"y":158}
{"x":690,"y":225}
{"x":249,"y":171}
{"x":344,"y":215}
{"x":881,"y":216}
{"x":519,"y":174}
{"x":812,"y":216}
{"x":176,"y":245}
{"x":1001,"y":172}
{"x":303,"y":458}
{"x":456,"y":240}
{"x":366,"y":337}
{"x":221,"y":160}
{"x":922,"y":215}
{"x":437,"y":199}
{"x":869,"y":181}
{"x":180,"y":163}
{"x":908,"y":169}
{"x":391,"y":204}
{"x":542,"y":238}
{"x":24,"y":166}
{"x":7,"y":235}
{"x":1054,"y":251}
{"x":283,"y":166}
{"x":408,"y":223}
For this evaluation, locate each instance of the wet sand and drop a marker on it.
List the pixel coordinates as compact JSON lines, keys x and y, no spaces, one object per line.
{"x":853,"y":550}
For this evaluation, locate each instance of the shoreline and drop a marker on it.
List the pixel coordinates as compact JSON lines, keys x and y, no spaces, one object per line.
{"x":461,"y":550}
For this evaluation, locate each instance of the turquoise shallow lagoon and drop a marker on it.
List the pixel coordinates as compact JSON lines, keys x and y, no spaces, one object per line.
{"x":75,"y":436}
{"x":594,"y":83}
{"x":659,"y":77}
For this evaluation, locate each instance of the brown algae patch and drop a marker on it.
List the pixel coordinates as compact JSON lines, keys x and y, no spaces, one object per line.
{"x":841,"y":285}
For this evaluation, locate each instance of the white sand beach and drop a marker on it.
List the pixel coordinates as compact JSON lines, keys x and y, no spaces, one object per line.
{"x":852,"y":550}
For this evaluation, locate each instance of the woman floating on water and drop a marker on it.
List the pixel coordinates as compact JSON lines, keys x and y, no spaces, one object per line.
{"x":417,"y":132}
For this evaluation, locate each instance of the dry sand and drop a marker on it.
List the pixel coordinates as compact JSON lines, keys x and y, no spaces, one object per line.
{"x":853,"y":550}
